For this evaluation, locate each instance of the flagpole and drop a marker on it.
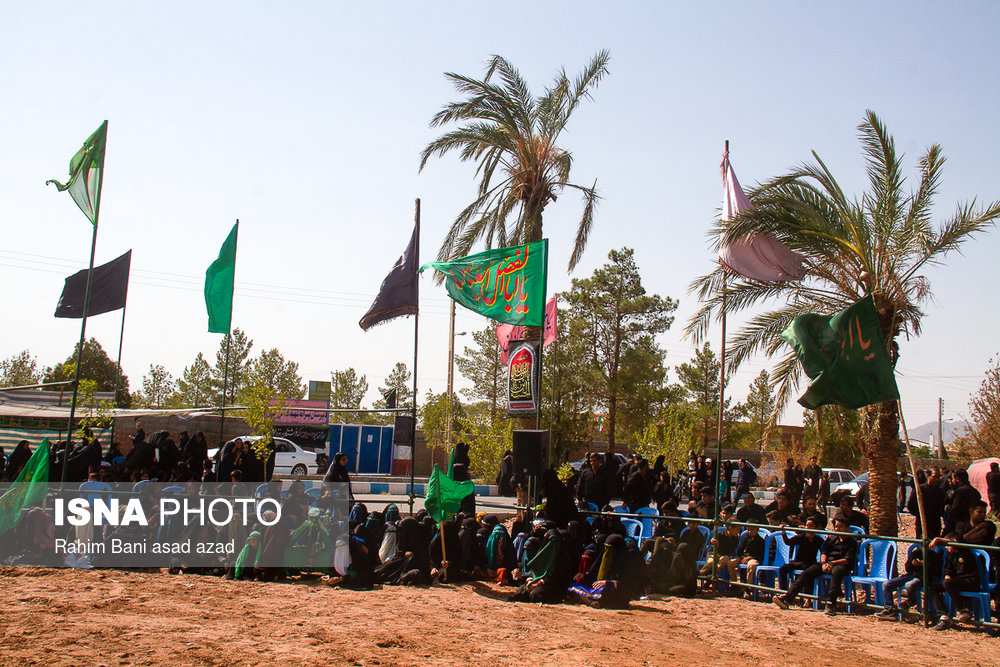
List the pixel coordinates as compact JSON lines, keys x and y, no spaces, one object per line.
{"x":79,"y":350}
{"x":118,"y":364}
{"x":722,"y":407}
{"x":416,"y":329}
{"x":229,"y":339}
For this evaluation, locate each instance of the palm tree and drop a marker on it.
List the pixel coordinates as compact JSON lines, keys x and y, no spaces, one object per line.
{"x":513,"y":137}
{"x":877,"y":244}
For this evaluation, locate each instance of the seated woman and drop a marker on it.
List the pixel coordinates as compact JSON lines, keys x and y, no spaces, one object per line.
{"x":618,"y":577}
{"x":246,"y":561}
{"x":410,"y":565}
{"x":452,"y":553}
{"x":500,"y":561}
{"x":552,"y":570}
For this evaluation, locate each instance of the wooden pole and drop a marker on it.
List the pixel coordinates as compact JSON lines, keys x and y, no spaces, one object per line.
{"x":920,"y":508}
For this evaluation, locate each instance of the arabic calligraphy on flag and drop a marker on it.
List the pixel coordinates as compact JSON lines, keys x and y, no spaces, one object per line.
{"x":506,"y":285}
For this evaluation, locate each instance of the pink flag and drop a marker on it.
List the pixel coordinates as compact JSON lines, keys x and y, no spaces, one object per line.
{"x":760,"y":257}
{"x":550,"y":328}
{"x":509,"y":332}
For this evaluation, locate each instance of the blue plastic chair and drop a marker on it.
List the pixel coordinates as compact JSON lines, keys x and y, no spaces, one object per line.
{"x":847,"y":583}
{"x":857,"y":530}
{"x":777,"y":552}
{"x":620,"y":509}
{"x":137,"y":487}
{"x":633,"y":528}
{"x":173,"y":489}
{"x":877,"y":568}
{"x":981,"y":597}
{"x":260,"y":491}
{"x":314,"y":493}
{"x":95,"y":489}
{"x":648,"y":521}
{"x":591,"y":507}
{"x":118,"y":460}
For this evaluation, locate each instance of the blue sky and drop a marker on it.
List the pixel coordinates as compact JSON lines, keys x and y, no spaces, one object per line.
{"x":305,"y":121}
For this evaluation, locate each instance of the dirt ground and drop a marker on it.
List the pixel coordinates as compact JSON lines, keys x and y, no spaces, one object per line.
{"x":74,"y":617}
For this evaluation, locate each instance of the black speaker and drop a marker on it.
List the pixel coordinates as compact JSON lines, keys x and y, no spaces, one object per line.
{"x":402,"y":432}
{"x":531,"y":452}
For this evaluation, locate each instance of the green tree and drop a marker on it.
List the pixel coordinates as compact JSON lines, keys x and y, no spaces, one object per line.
{"x":19,"y":370}
{"x":984,"y":414}
{"x":879,"y":243}
{"x":239,"y":360}
{"x":672,"y":435}
{"x":833,"y":433}
{"x":620,"y":320}
{"x":272,"y":370}
{"x":401,"y":380}
{"x":434,"y":419}
{"x":347,"y":390}
{"x":194,"y":388}
{"x":513,"y":137}
{"x":481,"y":366}
{"x":95,"y":365}
{"x":758,"y":411}
{"x":157,"y":387}
{"x":700,"y":381}
{"x":569,"y":408}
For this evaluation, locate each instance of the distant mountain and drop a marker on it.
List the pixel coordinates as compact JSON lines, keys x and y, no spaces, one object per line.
{"x":949,"y":429}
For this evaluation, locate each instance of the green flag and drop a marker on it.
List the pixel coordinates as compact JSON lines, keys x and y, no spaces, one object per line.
{"x":445,"y":496}
{"x":506,"y":285}
{"x":35,"y":476}
{"x":219,"y":285}
{"x":85,"y":171}
{"x":844,"y":356}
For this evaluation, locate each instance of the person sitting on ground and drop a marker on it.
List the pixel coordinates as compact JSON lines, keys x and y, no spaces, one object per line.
{"x":851,"y":515}
{"x":750,"y":511}
{"x":837,"y":559}
{"x":961,"y":574}
{"x":613,"y":581}
{"x":806,"y":549}
{"x":782,"y":504}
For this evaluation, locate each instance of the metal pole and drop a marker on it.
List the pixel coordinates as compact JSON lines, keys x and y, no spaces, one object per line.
{"x":118,"y":364}
{"x":722,"y":405}
{"x":229,"y":339}
{"x":451,"y":374}
{"x":79,"y":350}
{"x":225,"y":385}
{"x":416,"y":329}
{"x":941,"y":451}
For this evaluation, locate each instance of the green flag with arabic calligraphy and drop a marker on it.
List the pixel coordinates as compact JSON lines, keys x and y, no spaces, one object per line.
{"x":844,"y":356}
{"x":506,"y":285}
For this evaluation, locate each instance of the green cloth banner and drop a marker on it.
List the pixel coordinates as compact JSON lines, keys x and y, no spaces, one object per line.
{"x":35,"y":474}
{"x":219,"y":281}
{"x":506,"y":285}
{"x":85,"y":172}
{"x":844,"y":356}
{"x":445,"y":496}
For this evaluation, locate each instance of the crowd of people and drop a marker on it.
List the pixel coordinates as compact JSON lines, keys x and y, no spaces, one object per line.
{"x":574,"y":546}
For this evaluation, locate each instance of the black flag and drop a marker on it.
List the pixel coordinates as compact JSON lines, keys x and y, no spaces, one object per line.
{"x":398,"y":295}
{"x":107,"y":289}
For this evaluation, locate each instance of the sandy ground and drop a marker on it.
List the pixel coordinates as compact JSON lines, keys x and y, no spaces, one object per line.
{"x":72,"y":617}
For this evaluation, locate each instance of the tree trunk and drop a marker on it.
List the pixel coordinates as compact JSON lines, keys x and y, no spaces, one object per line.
{"x":881,"y":442}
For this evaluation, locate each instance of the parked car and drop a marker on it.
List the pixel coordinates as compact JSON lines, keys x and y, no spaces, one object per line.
{"x":853,"y":488}
{"x":838,"y":476}
{"x":289,"y":458}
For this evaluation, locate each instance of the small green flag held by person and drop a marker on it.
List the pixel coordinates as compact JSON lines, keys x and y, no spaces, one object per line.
{"x":844,"y":356}
{"x":445,"y":496}
{"x":219,"y":280}
{"x":29,"y":488}
{"x":506,"y":285}
{"x":85,"y":174}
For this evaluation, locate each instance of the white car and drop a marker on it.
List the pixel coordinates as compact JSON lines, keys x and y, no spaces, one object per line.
{"x":289,"y":458}
{"x":838,"y":476}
